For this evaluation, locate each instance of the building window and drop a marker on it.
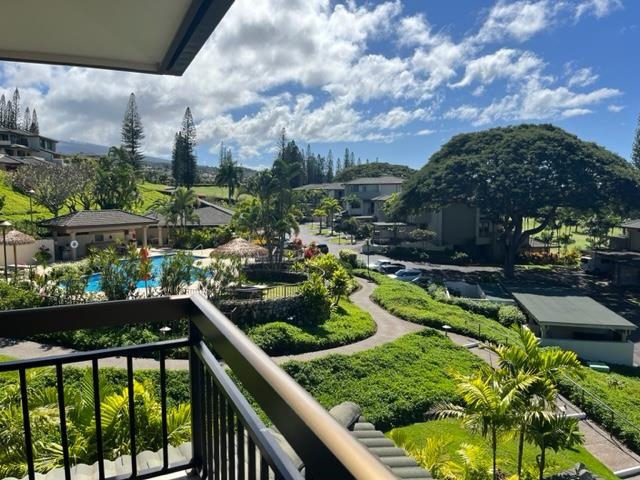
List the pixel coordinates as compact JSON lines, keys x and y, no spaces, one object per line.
{"x":484,"y":229}
{"x":99,"y":237}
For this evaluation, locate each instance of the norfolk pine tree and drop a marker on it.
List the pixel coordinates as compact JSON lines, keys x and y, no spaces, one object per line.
{"x":132,"y":133}
{"x":183,"y":161}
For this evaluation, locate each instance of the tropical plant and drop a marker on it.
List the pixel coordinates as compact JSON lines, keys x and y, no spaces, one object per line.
{"x":175,"y":273}
{"x":553,"y":431}
{"x":116,"y":186}
{"x":331,"y":206}
{"x":546,"y":364}
{"x":229,"y":174}
{"x":218,"y":275}
{"x":118,"y":275}
{"x":315,"y":300}
{"x":490,"y":399}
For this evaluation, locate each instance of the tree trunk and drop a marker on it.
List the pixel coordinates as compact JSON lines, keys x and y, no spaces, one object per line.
{"x":520,"y":451}
{"x":514,"y":237}
{"x":494,"y":448}
{"x":541,"y":461}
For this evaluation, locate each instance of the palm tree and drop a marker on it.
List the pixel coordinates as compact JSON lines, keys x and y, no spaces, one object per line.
{"x":331,"y":206}
{"x":490,"y":399}
{"x":229,"y":175}
{"x":183,"y":205}
{"x":552,"y":431}
{"x":547,"y":364}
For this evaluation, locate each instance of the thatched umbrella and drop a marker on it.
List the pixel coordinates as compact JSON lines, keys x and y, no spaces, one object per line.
{"x":241,"y":248}
{"x":15,"y":238}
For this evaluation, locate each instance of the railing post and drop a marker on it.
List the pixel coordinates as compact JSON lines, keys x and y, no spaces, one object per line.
{"x":196,"y":375}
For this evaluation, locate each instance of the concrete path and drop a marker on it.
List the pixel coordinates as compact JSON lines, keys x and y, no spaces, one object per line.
{"x":389,"y":327}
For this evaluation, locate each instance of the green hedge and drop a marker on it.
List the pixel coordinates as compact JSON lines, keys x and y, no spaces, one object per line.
{"x":346,"y":324}
{"x":395,"y":383}
{"x":412,"y":303}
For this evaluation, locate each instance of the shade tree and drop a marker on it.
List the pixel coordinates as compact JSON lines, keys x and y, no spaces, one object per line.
{"x":525,"y":171}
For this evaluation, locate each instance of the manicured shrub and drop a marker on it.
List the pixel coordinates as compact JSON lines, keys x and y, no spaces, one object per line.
{"x":315,"y":299}
{"x":20,"y":295}
{"x":510,"y":314}
{"x":175,"y":273}
{"x":346,"y":324}
{"x":349,"y":257}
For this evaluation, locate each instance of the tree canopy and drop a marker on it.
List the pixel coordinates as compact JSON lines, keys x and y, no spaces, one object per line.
{"x":525,"y":171}
{"x":183,"y":159}
{"x":375,"y":169}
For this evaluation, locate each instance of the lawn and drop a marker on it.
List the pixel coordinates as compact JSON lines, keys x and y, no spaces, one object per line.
{"x":347,"y":324}
{"x":453,"y":432}
{"x":395,"y":384}
{"x":412,"y":303}
{"x":16,"y":205}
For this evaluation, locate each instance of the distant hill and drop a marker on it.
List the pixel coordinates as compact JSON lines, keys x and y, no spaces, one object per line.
{"x":73,"y":148}
{"x":377,"y":169}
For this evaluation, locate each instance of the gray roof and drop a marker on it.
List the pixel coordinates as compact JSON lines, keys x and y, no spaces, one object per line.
{"x":98,"y":218}
{"x":321,"y":186}
{"x":557,"y":307}
{"x":210,"y":216}
{"x":382,"y":198}
{"x":22,"y":160}
{"x":631,"y":224}
{"x":387,"y":180}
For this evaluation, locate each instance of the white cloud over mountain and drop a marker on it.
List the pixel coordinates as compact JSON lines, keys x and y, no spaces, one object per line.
{"x":329,"y":73}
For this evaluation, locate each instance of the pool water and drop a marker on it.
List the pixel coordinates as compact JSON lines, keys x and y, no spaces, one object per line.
{"x":93,"y":286}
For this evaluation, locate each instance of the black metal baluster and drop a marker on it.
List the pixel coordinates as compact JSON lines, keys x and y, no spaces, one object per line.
{"x":231,"y":441}
{"x":264,"y":469}
{"x":216,"y":429}
{"x":223,"y":438}
{"x":240,"y":437}
{"x":209,"y":424}
{"x":132,"y":417}
{"x":163,"y":407}
{"x":63,"y":421}
{"x":27,"y":424}
{"x":98,"y":416}
{"x":197,"y":400}
{"x":251,"y":451}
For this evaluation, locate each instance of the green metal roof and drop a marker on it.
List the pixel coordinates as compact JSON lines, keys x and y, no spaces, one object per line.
{"x":553,"y":307}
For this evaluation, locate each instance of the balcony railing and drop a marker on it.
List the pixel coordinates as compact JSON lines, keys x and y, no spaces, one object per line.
{"x":228,"y":439}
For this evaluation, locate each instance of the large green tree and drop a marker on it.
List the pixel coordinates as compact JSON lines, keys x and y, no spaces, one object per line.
{"x":116,"y":185}
{"x":132,"y":132}
{"x":52,"y":184}
{"x":183,"y":160}
{"x":526,"y":171}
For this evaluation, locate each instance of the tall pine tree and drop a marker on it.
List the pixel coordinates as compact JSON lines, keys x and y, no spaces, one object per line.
{"x":183,"y":161}
{"x":26,"y":120}
{"x":635,"y":149}
{"x":14,"y":122}
{"x":34,"y":128}
{"x":3,"y":106}
{"x":132,"y":133}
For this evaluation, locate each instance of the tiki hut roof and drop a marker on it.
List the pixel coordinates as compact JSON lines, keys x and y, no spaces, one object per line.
{"x":241,"y":248}
{"x":16,"y":237}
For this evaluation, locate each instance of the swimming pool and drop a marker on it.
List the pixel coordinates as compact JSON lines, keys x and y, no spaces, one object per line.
{"x":94,"y":284}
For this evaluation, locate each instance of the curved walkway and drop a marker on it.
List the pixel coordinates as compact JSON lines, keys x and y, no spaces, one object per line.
{"x":389,"y":327}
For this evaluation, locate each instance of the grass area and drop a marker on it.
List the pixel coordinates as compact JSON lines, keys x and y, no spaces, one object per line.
{"x":150,"y":192}
{"x":411,"y":302}
{"x":212,"y":191}
{"x":16,"y":205}
{"x":620,"y":390}
{"x":454,"y":433}
{"x":395,"y":383}
{"x":347,"y":324}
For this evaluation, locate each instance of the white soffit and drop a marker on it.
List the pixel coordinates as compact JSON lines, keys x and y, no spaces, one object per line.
{"x":154,"y":36}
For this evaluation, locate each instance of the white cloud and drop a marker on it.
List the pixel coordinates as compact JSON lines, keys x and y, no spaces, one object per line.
{"x":505,"y":63}
{"x":597,"y":8}
{"x":582,"y":78}
{"x":615,"y":108}
{"x":518,"y":20}
{"x":424,"y":132}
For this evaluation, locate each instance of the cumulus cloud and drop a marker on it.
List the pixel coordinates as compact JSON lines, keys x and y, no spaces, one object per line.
{"x":327,"y":72}
{"x":615,"y":108}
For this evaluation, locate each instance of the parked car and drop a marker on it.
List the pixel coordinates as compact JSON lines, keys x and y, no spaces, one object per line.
{"x":407,"y":275}
{"x":323,"y":247}
{"x":373,"y":249}
{"x":392,"y":267}
{"x":376,"y":266}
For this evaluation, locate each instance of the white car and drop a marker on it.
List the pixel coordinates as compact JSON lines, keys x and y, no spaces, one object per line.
{"x":407,"y":275}
{"x":375,"y":266}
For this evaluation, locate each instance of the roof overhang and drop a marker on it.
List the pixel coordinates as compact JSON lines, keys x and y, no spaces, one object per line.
{"x":150,"y":36}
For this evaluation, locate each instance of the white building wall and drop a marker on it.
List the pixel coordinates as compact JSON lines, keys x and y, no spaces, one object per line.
{"x":26,"y":253}
{"x":620,"y":353}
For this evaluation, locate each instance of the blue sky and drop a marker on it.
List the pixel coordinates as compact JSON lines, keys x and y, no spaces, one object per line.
{"x":392,"y":80}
